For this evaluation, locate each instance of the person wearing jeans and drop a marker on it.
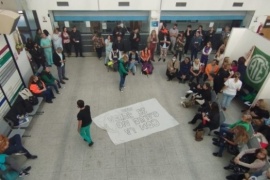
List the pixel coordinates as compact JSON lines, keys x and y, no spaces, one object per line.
{"x":50,"y":80}
{"x":123,"y":71}
{"x":195,"y":45}
{"x":84,"y":122}
{"x":14,"y":145}
{"x":133,"y":61}
{"x":60,"y":61}
{"x":232,"y":85}
{"x":164,"y":42}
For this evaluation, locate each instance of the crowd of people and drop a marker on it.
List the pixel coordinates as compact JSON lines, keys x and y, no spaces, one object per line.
{"x":221,"y":75}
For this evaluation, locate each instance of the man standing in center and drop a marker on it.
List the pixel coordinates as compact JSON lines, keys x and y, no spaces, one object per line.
{"x":76,"y":39}
{"x":173,"y":35}
{"x":84,"y":122}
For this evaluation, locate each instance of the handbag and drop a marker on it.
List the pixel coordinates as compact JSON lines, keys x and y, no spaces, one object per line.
{"x":25,"y":93}
{"x":199,"y":135}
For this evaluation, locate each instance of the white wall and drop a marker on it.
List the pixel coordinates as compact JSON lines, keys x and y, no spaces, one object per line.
{"x":241,"y":41}
{"x":211,"y":5}
{"x":260,"y":7}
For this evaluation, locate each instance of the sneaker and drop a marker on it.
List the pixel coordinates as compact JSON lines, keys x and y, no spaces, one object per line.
{"x":183,"y":104}
{"x":91,"y":144}
{"x":183,"y":98}
{"x":32,"y":157}
{"x":215,"y":139}
{"x":217,"y":155}
{"x":216,"y":144}
{"x":159,"y":59}
{"x":164,"y":60}
{"x":65,"y":78}
{"x":27,"y":169}
{"x":21,"y":174}
{"x":122,"y":90}
{"x":62,"y":82}
{"x":216,"y":133}
{"x":189,"y":91}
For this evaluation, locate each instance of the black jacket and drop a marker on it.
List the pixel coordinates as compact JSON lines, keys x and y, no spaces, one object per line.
{"x":75,"y":35}
{"x":57,"y":59}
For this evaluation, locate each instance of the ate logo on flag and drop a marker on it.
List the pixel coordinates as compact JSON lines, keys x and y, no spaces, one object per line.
{"x":258,"y":69}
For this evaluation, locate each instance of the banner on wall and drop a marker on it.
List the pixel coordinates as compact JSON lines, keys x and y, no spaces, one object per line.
{"x":135,"y":121}
{"x":258,"y":69}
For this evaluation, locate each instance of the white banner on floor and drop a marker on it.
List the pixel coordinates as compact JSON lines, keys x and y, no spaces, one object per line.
{"x":135,"y":121}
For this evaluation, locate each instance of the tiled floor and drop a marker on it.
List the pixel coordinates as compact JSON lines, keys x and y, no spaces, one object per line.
{"x":169,"y":155}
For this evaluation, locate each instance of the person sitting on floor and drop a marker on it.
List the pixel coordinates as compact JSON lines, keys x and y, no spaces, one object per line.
{"x":195,"y":71}
{"x":255,"y":166}
{"x":259,"y":112}
{"x":50,"y":80}
{"x":239,"y":137}
{"x":172,"y":68}
{"x":211,"y":70}
{"x":183,"y":74}
{"x":133,"y":61}
{"x":14,"y":145}
{"x":193,"y":88}
{"x":204,"y":96}
{"x":209,"y":119}
{"x":227,"y":128}
{"x":38,"y":88}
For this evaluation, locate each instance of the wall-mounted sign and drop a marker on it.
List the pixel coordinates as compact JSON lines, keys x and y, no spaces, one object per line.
{"x":154,"y":23}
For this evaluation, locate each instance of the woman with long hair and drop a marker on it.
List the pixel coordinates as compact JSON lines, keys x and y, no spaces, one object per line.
{"x":231,"y":86}
{"x":66,"y":41}
{"x":152,"y":41}
{"x":257,"y":160}
{"x":98,"y":44}
{"x":239,"y":137}
{"x":38,"y":88}
{"x":147,"y":66}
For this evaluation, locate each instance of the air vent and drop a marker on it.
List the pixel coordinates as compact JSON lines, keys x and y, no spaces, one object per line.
{"x":181,"y":4}
{"x":238,"y":4}
{"x":123,"y":3}
{"x":62,"y":4}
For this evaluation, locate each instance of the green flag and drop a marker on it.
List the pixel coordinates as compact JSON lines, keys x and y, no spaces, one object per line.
{"x":257,"y":69}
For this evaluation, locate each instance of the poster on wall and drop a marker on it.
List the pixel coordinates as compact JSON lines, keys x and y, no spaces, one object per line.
{"x":257,"y":69}
{"x":15,"y":42}
{"x":4,"y":107}
{"x":10,"y":79}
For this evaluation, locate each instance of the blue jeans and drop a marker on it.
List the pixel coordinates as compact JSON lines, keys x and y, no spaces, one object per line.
{"x":85,"y":133}
{"x":194,"y":53}
{"x":15,"y":146}
{"x":226,"y":100}
{"x":132,"y":66}
{"x":122,"y":81}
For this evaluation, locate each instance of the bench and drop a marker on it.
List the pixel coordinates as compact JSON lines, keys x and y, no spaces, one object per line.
{"x":6,"y":130}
